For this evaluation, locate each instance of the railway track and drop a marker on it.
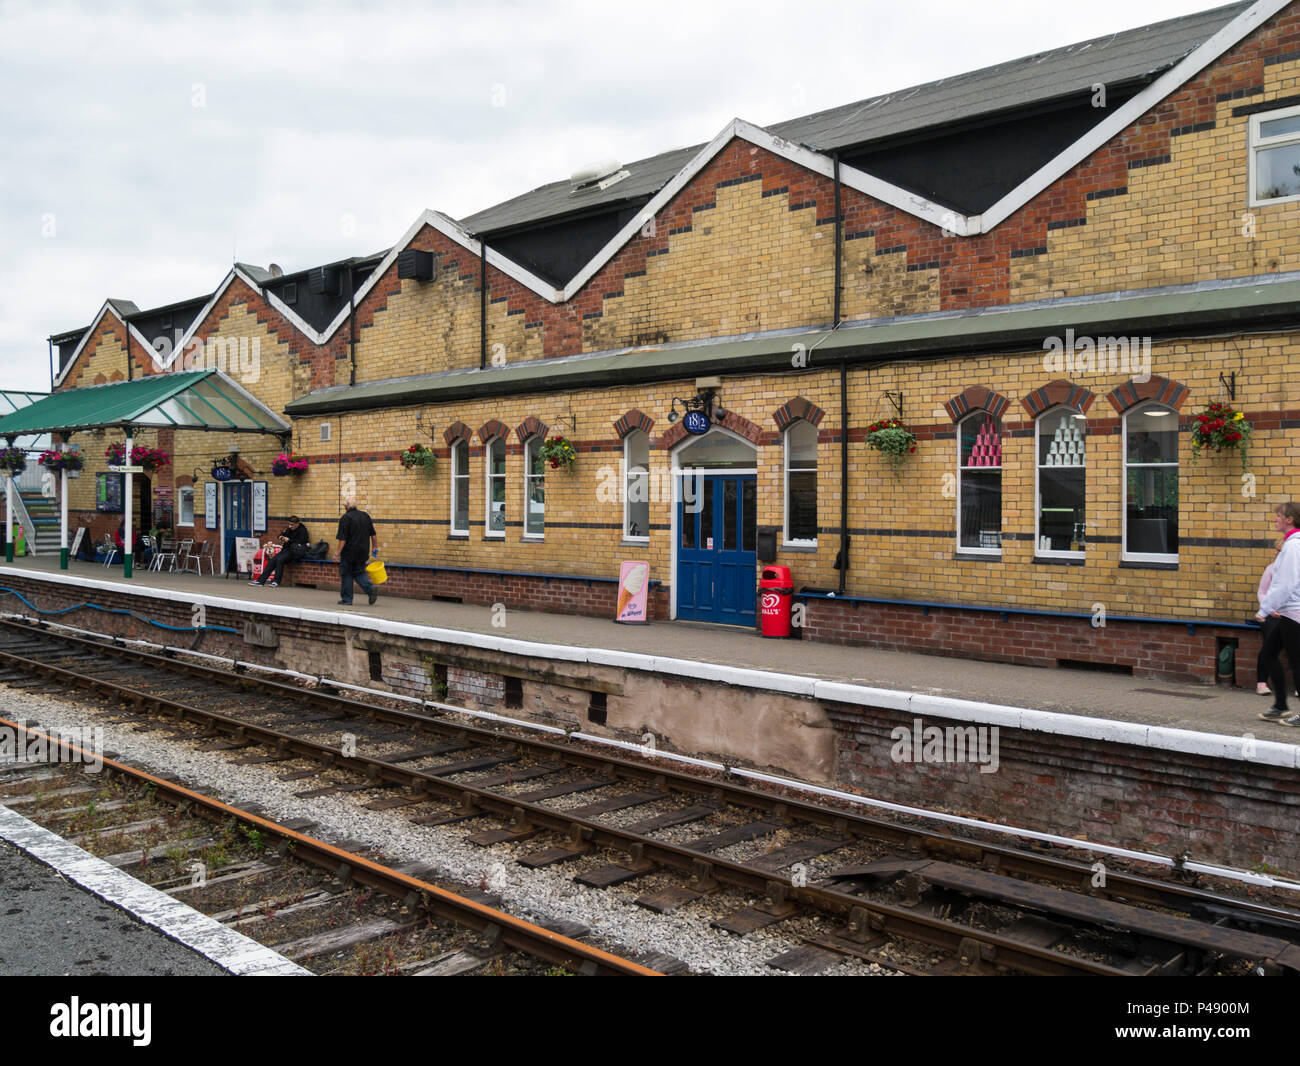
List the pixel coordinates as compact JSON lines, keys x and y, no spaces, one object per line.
{"x":335,"y":910}
{"x":984,"y":907}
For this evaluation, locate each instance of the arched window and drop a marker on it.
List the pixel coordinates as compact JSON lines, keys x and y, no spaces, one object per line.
{"x":979,"y":485}
{"x":1061,"y":522}
{"x":495,"y":462}
{"x":636,"y":486}
{"x":801,"y":483}
{"x":534,"y":488}
{"x":460,"y":487}
{"x":1151,"y":484}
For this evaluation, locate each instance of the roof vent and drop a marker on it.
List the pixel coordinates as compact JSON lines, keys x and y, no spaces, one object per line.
{"x":597,"y":175}
{"x":277,"y":271}
{"x":325,"y":281}
{"x":412,"y":263}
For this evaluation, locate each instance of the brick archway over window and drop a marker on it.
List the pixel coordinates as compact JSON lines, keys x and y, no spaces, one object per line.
{"x":1058,"y":392}
{"x":633,"y":419}
{"x":1131,"y":393}
{"x":741,"y":427}
{"x":492,"y":430}
{"x":531,"y":426}
{"x":792,"y":410}
{"x":976,"y":398}
{"x":457,"y":432}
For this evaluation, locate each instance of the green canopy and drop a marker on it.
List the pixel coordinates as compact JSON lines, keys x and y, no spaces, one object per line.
{"x":198,"y":399}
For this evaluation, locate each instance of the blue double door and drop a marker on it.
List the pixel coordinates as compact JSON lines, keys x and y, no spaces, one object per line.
{"x":239,"y":517}
{"x":716,"y":550}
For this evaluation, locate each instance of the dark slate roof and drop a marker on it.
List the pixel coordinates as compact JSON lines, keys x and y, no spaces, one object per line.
{"x":645,"y":178}
{"x":124,"y":308}
{"x":1019,"y":85}
{"x":1035,"y":80}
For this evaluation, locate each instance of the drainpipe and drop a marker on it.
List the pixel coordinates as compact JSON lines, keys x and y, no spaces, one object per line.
{"x":482,"y":304}
{"x":51,"y":344}
{"x":839,"y":238}
{"x":844,"y":388}
{"x":126,"y":326}
{"x":352,"y":325}
{"x":844,"y":470}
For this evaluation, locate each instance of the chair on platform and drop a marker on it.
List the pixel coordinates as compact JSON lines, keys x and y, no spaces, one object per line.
{"x":174,"y":556}
{"x":166,"y":552}
{"x":197,"y":559}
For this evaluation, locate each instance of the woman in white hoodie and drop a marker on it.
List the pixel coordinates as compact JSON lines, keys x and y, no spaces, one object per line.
{"x":1282,"y":601}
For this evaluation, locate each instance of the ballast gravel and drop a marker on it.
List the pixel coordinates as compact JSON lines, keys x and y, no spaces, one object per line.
{"x":545,"y":895}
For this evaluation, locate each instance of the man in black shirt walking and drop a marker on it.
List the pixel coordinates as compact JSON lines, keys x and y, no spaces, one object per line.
{"x":357,"y":539}
{"x":294,"y":545}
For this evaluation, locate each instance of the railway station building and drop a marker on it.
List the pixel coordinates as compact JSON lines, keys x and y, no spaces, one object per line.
{"x":1044,"y":271}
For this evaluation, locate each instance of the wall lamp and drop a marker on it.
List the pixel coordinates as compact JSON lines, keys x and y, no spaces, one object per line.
{"x":707,"y":401}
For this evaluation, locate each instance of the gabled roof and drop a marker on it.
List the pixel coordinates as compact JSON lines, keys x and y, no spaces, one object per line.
{"x":1032,"y":81}
{"x":1036,"y":80}
{"x":1161,"y":49}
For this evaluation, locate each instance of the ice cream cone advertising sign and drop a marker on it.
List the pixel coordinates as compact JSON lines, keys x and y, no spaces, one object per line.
{"x":633,"y":584}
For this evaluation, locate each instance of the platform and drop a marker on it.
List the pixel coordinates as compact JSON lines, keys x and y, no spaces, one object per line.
{"x":1216,"y":709}
{"x":70,"y":913}
{"x":1164,"y":768}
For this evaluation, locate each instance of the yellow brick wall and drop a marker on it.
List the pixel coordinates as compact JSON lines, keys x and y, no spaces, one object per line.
{"x":1212,"y":581}
{"x":1180,"y":222}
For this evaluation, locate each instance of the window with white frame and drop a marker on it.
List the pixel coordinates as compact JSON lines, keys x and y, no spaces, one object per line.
{"x":1060,"y":525}
{"x":460,"y":487}
{"x":1151,"y":484}
{"x":636,"y":486}
{"x":534,"y":488}
{"x":495,"y":521}
{"x":1275,"y":156}
{"x":185,"y":505}
{"x":801,"y":483}
{"x":979,"y":485}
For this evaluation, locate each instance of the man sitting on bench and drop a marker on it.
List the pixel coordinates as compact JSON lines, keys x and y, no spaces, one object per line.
{"x":295,"y":544}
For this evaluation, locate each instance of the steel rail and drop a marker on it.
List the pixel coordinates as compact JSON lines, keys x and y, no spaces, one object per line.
{"x":865,"y":917}
{"x":518,"y":933}
{"x":990,"y":856}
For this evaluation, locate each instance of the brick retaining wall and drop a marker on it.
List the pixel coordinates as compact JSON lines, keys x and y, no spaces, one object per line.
{"x":1218,"y":810}
{"x":1165,"y":651}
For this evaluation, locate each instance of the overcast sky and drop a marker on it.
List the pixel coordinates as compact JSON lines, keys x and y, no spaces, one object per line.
{"x":148,"y":145}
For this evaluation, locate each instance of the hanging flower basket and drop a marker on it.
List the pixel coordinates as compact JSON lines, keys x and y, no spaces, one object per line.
{"x":558,"y":452}
{"x":418,"y":457}
{"x":286,"y":464}
{"x":1220,"y":428}
{"x":893,"y":440}
{"x":56,"y":461}
{"x":150,"y":458}
{"x":12,"y":461}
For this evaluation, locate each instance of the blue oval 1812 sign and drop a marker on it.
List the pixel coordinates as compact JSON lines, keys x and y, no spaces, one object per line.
{"x":696,"y":422}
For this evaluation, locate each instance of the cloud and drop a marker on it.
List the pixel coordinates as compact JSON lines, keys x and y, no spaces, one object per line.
{"x":149,"y":144}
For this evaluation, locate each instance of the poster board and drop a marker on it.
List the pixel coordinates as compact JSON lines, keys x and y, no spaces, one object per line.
{"x":633,"y":589}
{"x":209,"y":505}
{"x":245,"y":549}
{"x":259,"y":506}
{"x":76,"y":542}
